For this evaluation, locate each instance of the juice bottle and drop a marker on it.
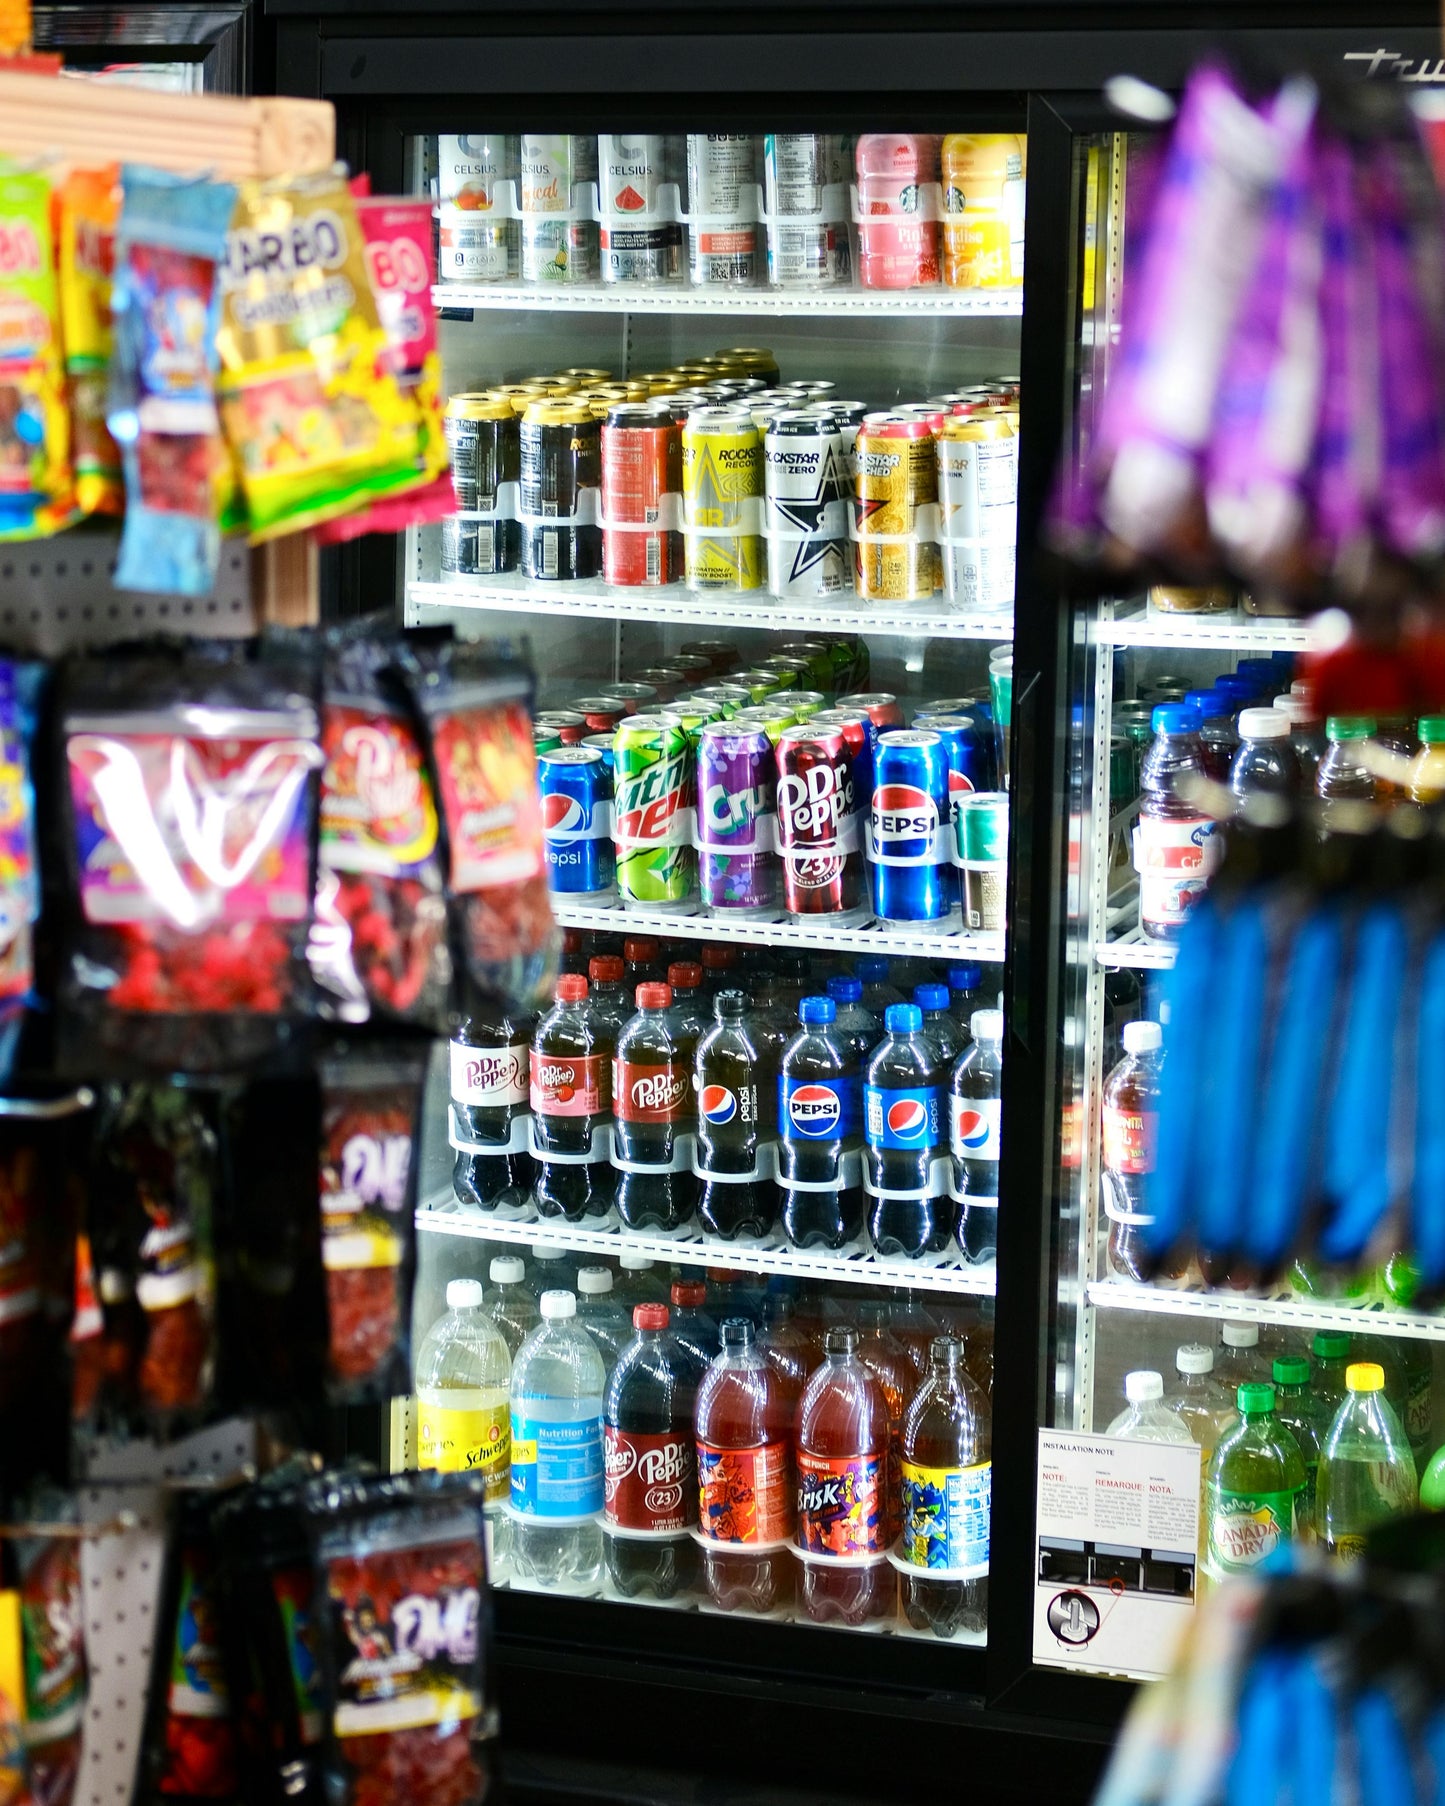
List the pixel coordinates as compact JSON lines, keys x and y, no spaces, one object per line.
{"x":747,"y":1483}
{"x":788,"y":1351}
{"x":983,"y":209}
{"x":945,"y":1473}
{"x":886,"y":1358}
{"x":1255,"y":1489}
{"x":1427,"y":772}
{"x":842,"y":1451}
{"x":897,"y":241}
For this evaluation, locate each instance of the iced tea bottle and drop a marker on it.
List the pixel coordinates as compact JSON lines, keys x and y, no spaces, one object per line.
{"x":887,"y":1359}
{"x":842,"y":1450}
{"x":747,"y":1482}
{"x":785,"y":1347}
{"x":946,"y":1489}
{"x":1130,"y":1114}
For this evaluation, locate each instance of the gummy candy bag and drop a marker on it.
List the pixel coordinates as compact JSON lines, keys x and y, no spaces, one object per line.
{"x":162,"y":412}
{"x":315,"y":416}
{"x":89,"y":212}
{"x":35,"y":483}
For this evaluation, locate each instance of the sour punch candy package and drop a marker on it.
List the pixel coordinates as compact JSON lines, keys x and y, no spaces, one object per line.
{"x":89,"y":213}
{"x":35,"y":481}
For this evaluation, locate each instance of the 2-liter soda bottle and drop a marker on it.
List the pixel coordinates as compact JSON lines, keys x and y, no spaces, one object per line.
{"x":746,"y":1476}
{"x":946,"y":1477}
{"x":736,"y":1120}
{"x":650,"y":1507}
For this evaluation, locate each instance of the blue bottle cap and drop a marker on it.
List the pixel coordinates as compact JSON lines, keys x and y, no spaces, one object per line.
{"x":903,"y":1019}
{"x":845,"y":990}
{"x":817,"y":1009}
{"x":931,"y":997}
{"x":871,"y":969}
{"x":964,"y":978}
{"x":1174,"y":718}
{"x":1203,"y":700}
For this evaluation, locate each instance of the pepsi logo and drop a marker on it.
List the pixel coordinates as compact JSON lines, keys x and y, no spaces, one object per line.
{"x":561,"y":814}
{"x":815,"y":1110}
{"x":719,"y":1106}
{"x":903,"y":812}
{"x":907,"y":1119}
{"x":959,"y":784}
{"x":971,"y":1128}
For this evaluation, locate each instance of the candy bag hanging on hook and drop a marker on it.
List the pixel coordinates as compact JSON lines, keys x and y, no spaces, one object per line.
{"x":36,"y":495}
{"x":89,"y":212}
{"x":162,"y":412}
{"x":52,"y":1624}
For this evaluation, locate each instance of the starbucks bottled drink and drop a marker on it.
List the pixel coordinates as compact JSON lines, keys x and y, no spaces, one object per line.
{"x":746,"y":1476}
{"x":946,"y":1491}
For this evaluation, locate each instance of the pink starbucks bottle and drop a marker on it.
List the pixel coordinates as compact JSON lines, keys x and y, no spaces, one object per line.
{"x":897,"y":240}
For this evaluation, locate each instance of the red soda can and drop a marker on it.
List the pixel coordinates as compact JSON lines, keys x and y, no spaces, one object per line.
{"x":641,"y":463}
{"x":880,"y":706}
{"x":570,"y":725}
{"x":601,"y":713}
{"x":817,"y":825}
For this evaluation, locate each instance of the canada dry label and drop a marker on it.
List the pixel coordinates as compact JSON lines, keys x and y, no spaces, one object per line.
{"x":651,"y":1481}
{"x":470,"y":1439}
{"x":1129,"y":1139}
{"x":650,"y":1094}
{"x":1244,"y":1528}
{"x":569,"y":1085}
{"x":488,"y":1078}
{"x":746,"y":1495}
{"x":840,"y":1505}
{"x":946,"y":1518}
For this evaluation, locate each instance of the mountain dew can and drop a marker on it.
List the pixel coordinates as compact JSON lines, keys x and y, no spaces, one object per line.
{"x":652,"y":813}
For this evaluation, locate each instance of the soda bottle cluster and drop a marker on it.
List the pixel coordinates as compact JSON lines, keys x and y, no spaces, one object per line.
{"x":1317,"y":1444}
{"x":745,"y":1095}
{"x":750,"y":798}
{"x":734,"y":210}
{"x":717,"y":475}
{"x":773,"y":1449}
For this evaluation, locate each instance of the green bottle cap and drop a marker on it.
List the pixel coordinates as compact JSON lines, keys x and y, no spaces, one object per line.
{"x":1431,"y":727}
{"x":1291,"y":1370}
{"x":1331,"y":1344}
{"x":1254,"y":1397}
{"x":1349,"y":727}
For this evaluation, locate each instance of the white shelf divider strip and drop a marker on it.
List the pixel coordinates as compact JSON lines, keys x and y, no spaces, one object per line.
{"x":925,"y":303}
{"x":855,"y":1264}
{"x":869,"y":937}
{"x":1133,"y":950}
{"x":1242,"y":633}
{"x":1289,"y":1311}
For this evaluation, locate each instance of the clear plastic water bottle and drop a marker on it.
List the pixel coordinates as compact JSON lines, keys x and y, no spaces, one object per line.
{"x":1147,"y":1418}
{"x":1366,"y":1472}
{"x":463,"y":1376}
{"x":510,"y":1305}
{"x":550,"y":1270}
{"x":557,"y":1467}
{"x":1199,"y":1402}
{"x":602,"y":1314}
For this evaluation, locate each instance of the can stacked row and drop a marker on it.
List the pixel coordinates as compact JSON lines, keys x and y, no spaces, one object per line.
{"x":728,"y":483}
{"x":731,"y":210}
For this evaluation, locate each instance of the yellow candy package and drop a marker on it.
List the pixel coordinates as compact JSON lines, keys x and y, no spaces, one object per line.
{"x":89,"y":210}
{"x":315,"y":417}
{"x":35,"y":486}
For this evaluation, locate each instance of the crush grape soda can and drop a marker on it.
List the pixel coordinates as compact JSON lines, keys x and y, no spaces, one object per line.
{"x":738,"y":868}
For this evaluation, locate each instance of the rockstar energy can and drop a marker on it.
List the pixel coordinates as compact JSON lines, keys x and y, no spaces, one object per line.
{"x":722,"y":473}
{"x":895,"y":479}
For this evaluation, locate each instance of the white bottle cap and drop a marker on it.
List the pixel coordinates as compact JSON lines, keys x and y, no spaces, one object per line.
{"x":1295,"y":707}
{"x":632,"y":1262}
{"x":1142,"y":1037}
{"x":1240,"y":1335}
{"x":1194,"y":1357}
{"x":540,"y":1251}
{"x":594,"y":1280}
{"x":1300,"y":687}
{"x":1144,"y":1387}
{"x":986,"y":1025}
{"x":463,"y":1294}
{"x":1263,"y":724}
{"x":558,"y":1305}
{"x":506,"y":1270}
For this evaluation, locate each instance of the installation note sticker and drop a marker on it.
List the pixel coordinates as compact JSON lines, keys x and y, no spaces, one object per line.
{"x":1116,"y":1556}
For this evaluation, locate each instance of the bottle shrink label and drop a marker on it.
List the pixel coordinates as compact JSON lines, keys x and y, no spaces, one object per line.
{"x":1174,"y":858}
{"x":733,"y":1107}
{"x":910,"y":1120}
{"x":489,"y":1078}
{"x":569,"y":1084}
{"x":650,"y":1094}
{"x":840,"y":1505}
{"x":817,"y":1109}
{"x":557,"y":1467}
{"x":946,"y":1518}
{"x":1244,"y":1528}
{"x":746,"y":1495}
{"x":651,"y":1486}
{"x":197,"y":1677}
{"x":1129,"y":1139}
{"x":456,"y":1439}
{"x":1419,"y":1416}
{"x":974,"y":1134}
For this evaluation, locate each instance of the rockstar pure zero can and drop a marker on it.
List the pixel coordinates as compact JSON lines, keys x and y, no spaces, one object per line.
{"x":805,"y":505}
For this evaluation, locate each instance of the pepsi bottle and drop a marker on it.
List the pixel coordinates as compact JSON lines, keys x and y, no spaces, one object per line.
{"x":903,"y":1132}
{"x":938,"y":1023}
{"x":856,"y":1027}
{"x":818,"y":1110}
{"x":878,"y":993}
{"x":490,"y":1053}
{"x":966,"y":994}
{"x":731,"y":1130}
{"x":974,"y":1135}
{"x":653,"y":1110}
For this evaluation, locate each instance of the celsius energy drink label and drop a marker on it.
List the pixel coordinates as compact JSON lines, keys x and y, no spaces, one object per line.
{"x":722,"y":210}
{"x":559,"y":227}
{"x":805,"y":189}
{"x":478,"y":237}
{"x":639,"y":179}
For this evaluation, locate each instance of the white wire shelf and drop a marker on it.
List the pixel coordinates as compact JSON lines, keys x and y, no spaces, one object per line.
{"x":1289,"y":1311}
{"x":867,"y":937}
{"x":863,"y":303}
{"x":757,"y":608}
{"x":1231,"y":632}
{"x":855,"y":1264}
{"x":1132,"y":949}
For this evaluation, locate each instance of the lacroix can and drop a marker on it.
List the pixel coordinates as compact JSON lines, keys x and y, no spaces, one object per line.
{"x":978,"y":510}
{"x":653,"y":813}
{"x":738,"y":869}
{"x":895,"y":478}
{"x":474,"y":244}
{"x":722,"y":479}
{"x":641,"y":466}
{"x":817,"y":825}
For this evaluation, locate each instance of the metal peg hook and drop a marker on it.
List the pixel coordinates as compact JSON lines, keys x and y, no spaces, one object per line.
{"x":116,"y":1526}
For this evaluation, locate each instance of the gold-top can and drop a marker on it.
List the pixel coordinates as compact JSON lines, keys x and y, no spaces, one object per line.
{"x":722,"y":470}
{"x":895,"y":476}
{"x":481,"y":404}
{"x":579,"y":375}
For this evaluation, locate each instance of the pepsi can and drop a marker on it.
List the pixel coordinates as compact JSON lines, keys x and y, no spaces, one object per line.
{"x":576,"y":792}
{"x":907,"y":845}
{"x":970,"y":761}
{"x":604,"y":744}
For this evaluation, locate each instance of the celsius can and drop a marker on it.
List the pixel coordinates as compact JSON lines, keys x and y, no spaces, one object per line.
{"x":978,"y":510}
{"x":895,"y":478}
{"x":722,"y":471}
{"x":576,"y":791}
{"x":641,"y":467}
{"x":474,"y":244}
{"x":805,"y":177}
{"x":561,"y":458}
{"x":722,"y":205}
{"x":559,"y":242}
{"x":806,"y":511}
{"x":817,"y":825}
{"x":569,"y":725}
{"x":652,"y":813}
{"x":980,"y":827}
{"x":641,"y":242}
{"x":738,"y":870}
{"x":907,"y":845}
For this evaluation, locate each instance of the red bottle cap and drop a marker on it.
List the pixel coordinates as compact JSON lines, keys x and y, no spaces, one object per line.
{"x":687,"y":1291}
{"x":714,"y":957}
{"x":685,"y":976}
{"x":723,"y":1275}
{"x":650,"y":1316}
{"x":571,"y":940}
{"x":654,"y":997}
{"x":606,"y":969}
{"x":571,"y":988}
{"x":640,"y":951}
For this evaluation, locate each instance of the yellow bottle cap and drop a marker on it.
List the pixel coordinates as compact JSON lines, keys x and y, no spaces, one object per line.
{"x":1365,"y":1376}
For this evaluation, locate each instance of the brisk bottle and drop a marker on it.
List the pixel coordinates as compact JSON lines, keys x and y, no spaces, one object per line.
{"x":746,"y":1477}
{"x":651,"y":1490}
{"x":557,"y":1466}
{"x":946,"y":1498}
